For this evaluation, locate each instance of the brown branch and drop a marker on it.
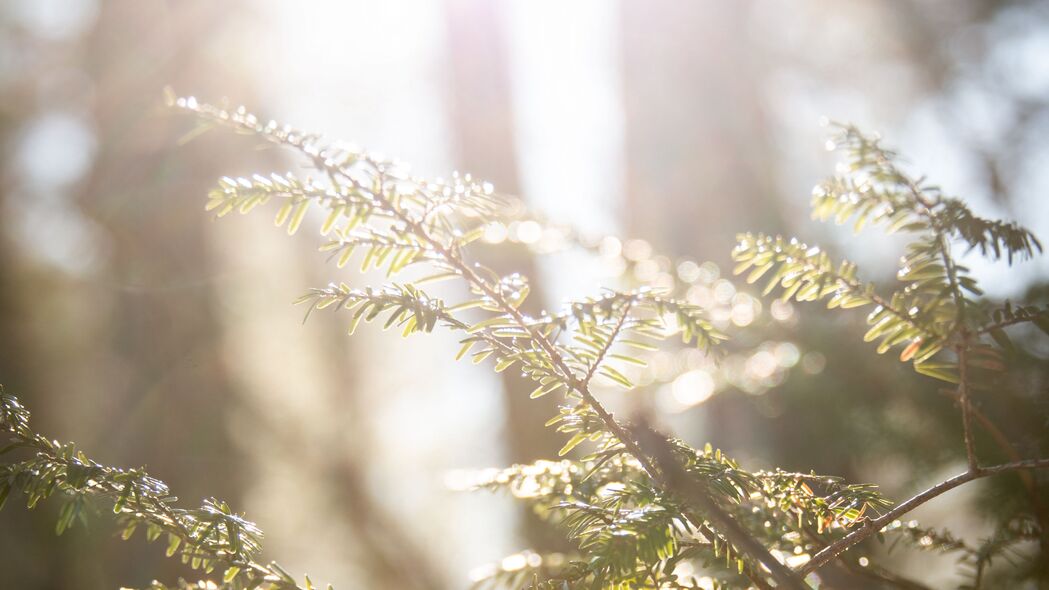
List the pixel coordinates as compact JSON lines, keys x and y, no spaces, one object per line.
{"x":1001,"y":441}
{"x":1041,"y":511}
{"x":870,"y":571}
{"x":872,"y":526}
{"x":681,"y":484}
{"x":1005,"y":323}
{"x":966,"y":403}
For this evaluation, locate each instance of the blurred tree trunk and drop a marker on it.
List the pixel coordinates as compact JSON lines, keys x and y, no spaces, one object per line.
{"x":125,"y":353}
{"x":26,"y":540}
{"x":696,"y":145}
{"x":170,"y":408}
{"x":696,"y":136}
{"x":482,"y":122}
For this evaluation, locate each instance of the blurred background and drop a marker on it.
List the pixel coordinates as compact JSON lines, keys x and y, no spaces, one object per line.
{"x":135,"y":325}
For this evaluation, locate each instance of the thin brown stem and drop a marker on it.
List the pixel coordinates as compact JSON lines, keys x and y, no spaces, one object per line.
{"x":1001,"y":441}
{"x":870,"y":571}
{"x":872,"y":526}
{"x":1004,"y":324}
{"x":611,"y":340}
{"x":966,"y":403}
{"x":951,"y":270}
{"x":673,"y":478}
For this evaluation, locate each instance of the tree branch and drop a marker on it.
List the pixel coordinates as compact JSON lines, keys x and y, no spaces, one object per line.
{"x":963,"y":397}
{"x":679,"y":483}
{"x":1004,"y":324}
{"x":726,"y":525}
{"x":871,"y":526}
{"x":611,"y":341}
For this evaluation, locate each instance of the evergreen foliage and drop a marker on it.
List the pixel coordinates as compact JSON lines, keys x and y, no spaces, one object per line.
{"x":644,"y":510}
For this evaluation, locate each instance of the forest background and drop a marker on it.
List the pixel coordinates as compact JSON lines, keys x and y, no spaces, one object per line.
{"x":131,"y":323}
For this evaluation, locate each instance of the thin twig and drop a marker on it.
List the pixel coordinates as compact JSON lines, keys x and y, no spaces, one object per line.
{"x":872,"y":526}
{"x":611,"y":341}
{"x":966,"y":403}
{"x":1004,"y":324}
{"x":1001,"y":441}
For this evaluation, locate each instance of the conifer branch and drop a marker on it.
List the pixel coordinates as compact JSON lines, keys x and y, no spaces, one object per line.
{"x":671,"y":490}
{"x":212,"y":537}
{"x":1011,"y":316}
{"x":872,"y":526}
{"x":607,"y":343}
{"x":807,"y":274}
{"x":443,"y":246}
{"x":966,"y":404}
{"x":681,"y":485}
{"x":937,"y":310}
